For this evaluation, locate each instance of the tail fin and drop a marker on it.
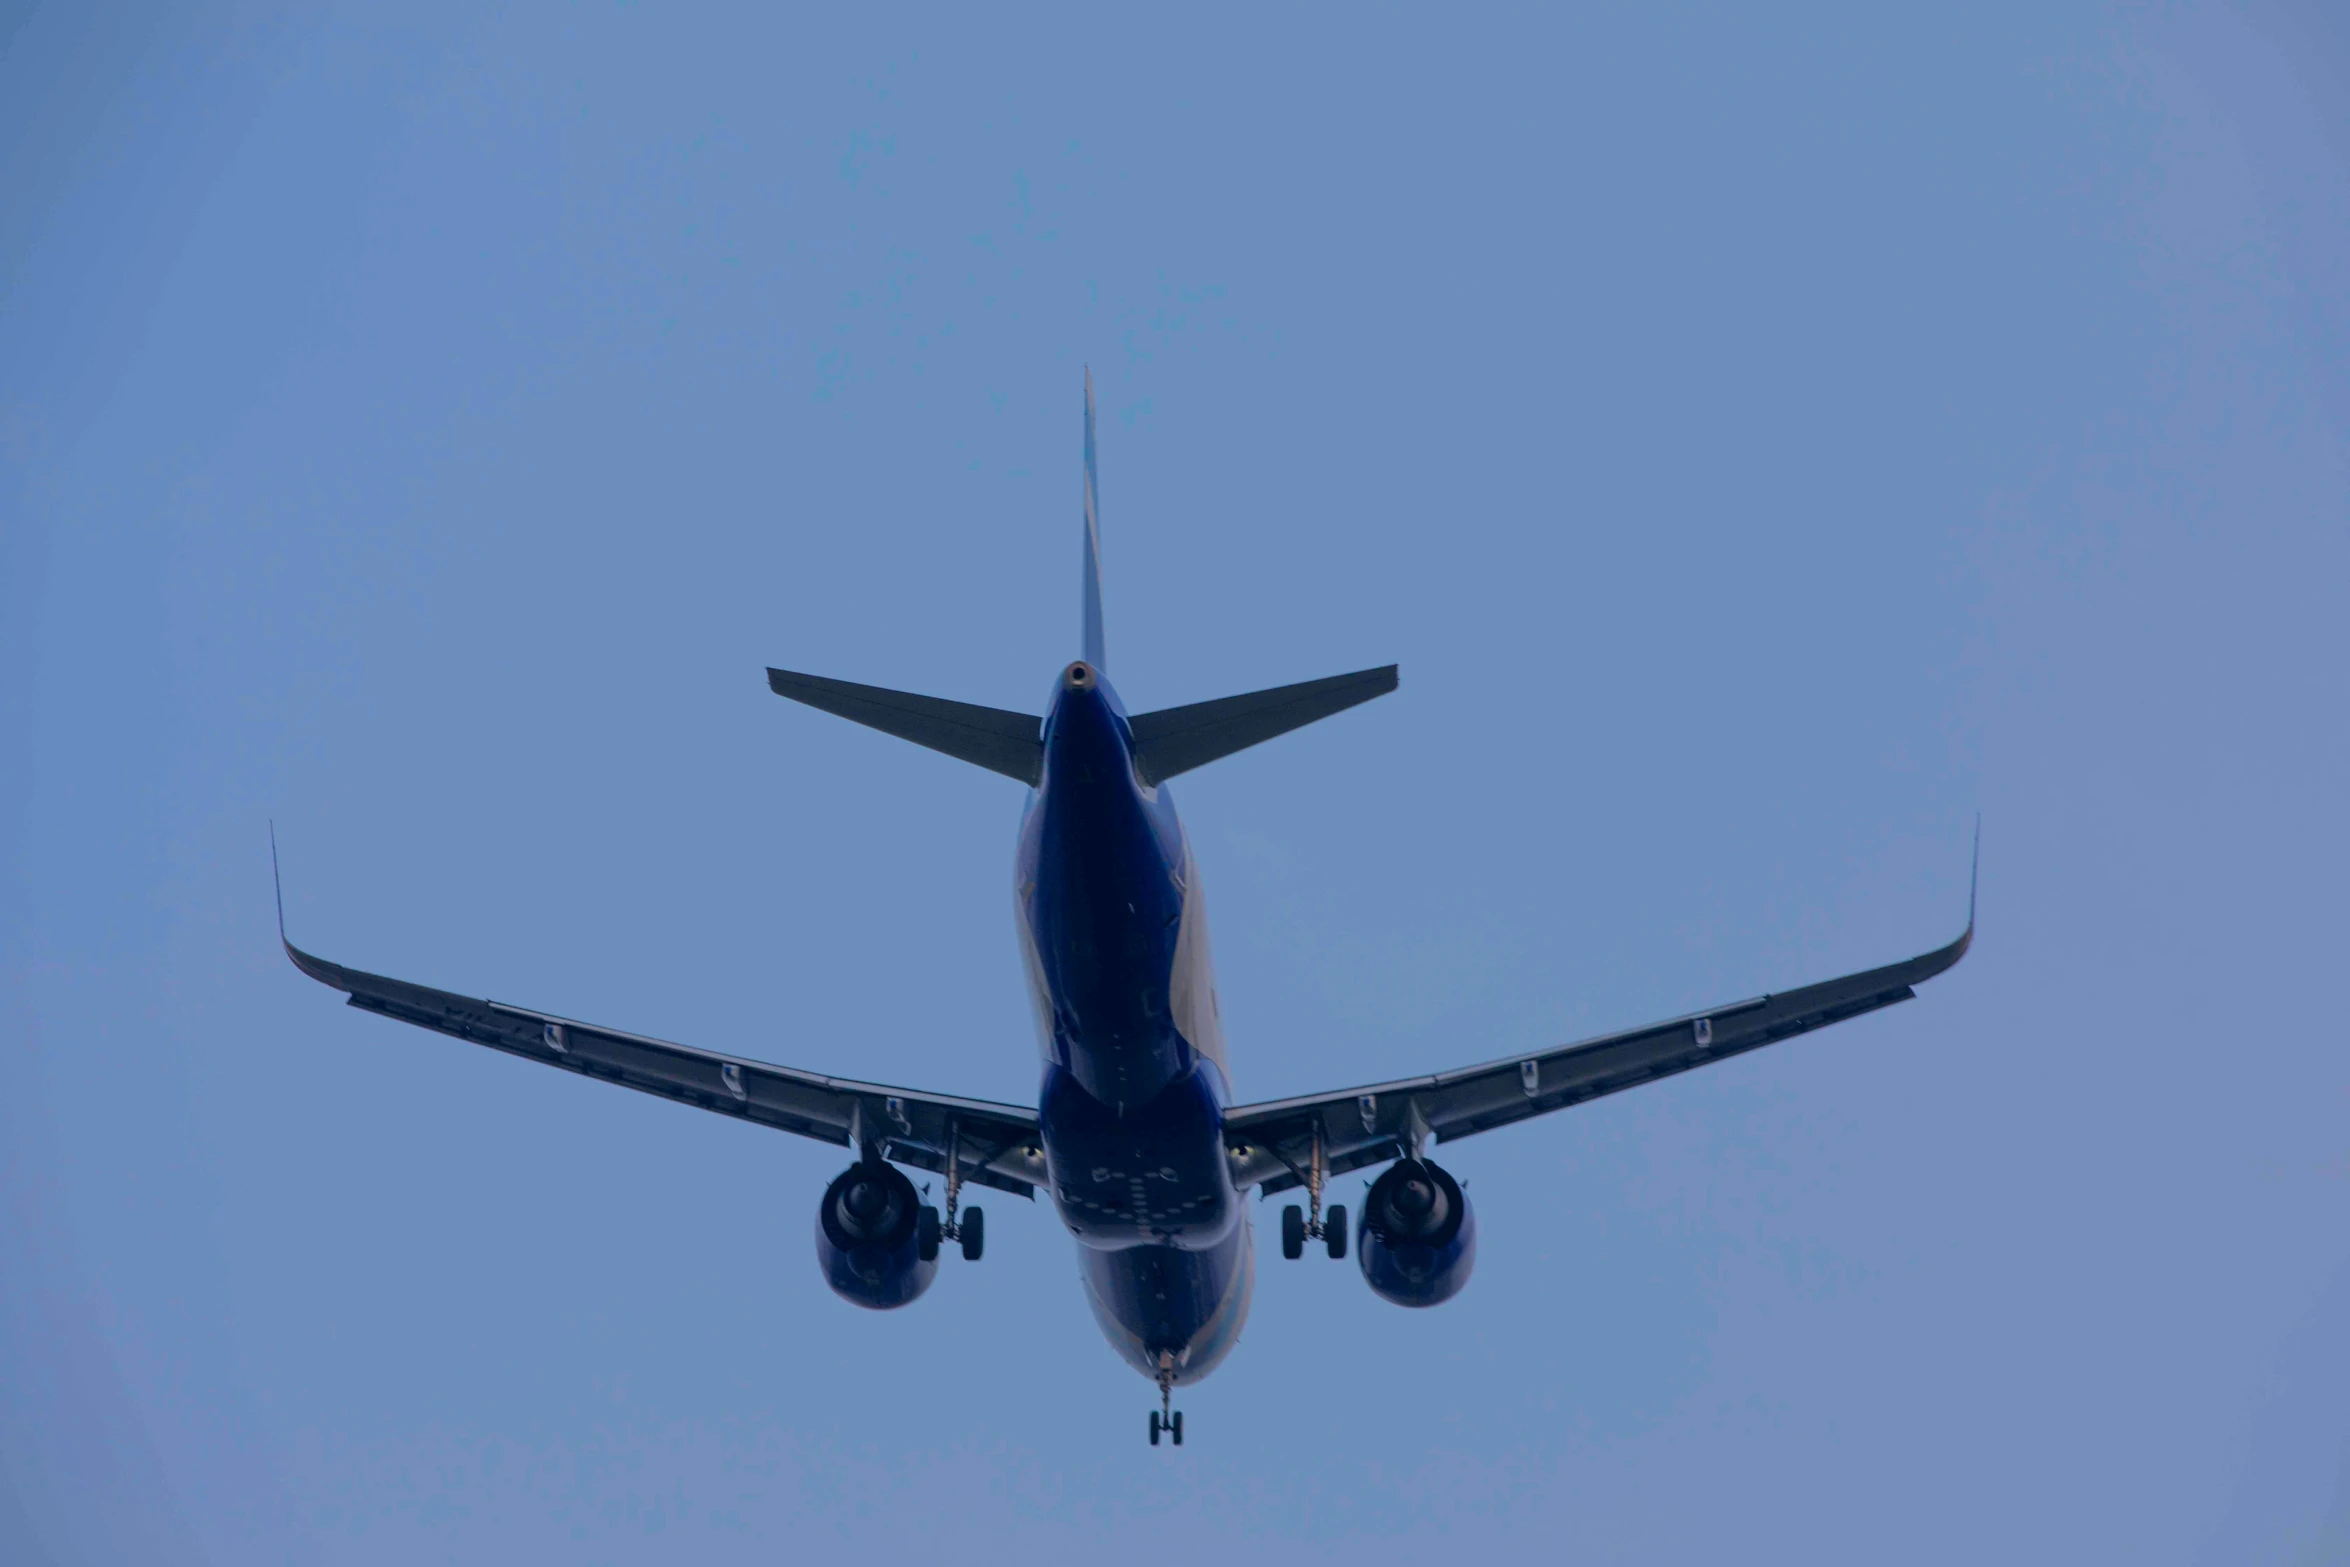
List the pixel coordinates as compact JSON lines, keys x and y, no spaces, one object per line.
{"x":1094,"y":652}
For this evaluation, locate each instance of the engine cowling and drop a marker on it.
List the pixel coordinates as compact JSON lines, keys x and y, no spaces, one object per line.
{"x":869,"y":1238}
{"x":1417,"y":1237}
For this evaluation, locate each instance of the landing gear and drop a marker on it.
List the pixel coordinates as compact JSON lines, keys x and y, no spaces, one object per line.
{"x":970,"y":1228}
{"x":1297,"y":1228}
{"x":1166,"y":1419}
{"x":926,"y":1234}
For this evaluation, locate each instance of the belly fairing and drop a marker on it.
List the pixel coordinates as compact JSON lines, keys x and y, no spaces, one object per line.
{"x":1155,"y":1174}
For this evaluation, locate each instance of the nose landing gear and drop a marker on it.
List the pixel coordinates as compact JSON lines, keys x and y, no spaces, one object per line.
{"x":1164,"y":1419}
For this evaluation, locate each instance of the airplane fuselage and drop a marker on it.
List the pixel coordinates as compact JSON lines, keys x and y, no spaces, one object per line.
{"x":1114,"y":933}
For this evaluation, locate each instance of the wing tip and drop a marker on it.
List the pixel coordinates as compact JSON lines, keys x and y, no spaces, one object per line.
{"x":1974,"y":874}
{"x":328,"y":974}
{"x":277,"y":885}
{"x":1943,"y":959}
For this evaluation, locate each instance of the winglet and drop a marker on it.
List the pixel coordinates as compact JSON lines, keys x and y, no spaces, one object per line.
{"x":278,"y":886}
{"x":317,"y":968}
{"x":1933,"y":963}
{"x":1928,"y":964}
{"x":1974,"y":872}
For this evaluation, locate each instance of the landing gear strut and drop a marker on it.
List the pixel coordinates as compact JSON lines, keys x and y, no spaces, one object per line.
{"x":1298,"y":1228}
{"x":971,"y":1228}
{"x":1166,"y":1419}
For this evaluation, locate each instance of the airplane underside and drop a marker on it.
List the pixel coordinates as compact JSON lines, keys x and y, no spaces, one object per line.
{"x":1134,"y":1135}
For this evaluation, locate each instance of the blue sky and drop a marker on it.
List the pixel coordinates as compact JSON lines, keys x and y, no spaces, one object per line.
{"x":1764,"y":444}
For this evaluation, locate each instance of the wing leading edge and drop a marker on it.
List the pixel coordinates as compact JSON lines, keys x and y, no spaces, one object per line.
{"x":1272,"y":1144}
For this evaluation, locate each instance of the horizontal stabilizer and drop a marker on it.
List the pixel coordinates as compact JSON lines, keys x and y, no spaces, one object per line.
{"x":989,"y":737}
{"x":1178,"y":739}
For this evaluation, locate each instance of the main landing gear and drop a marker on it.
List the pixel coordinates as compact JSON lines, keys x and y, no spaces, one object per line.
{"x":1164,"y":1419}
{"x":1297,"y":1228}
{"x":970,"y":1229}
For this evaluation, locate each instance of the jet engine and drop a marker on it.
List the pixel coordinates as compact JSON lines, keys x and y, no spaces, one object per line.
{"x":1417,"y":1238}
{"x":877,"y":1244}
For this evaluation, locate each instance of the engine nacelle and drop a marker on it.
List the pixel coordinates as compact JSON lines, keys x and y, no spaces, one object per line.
{"x":870,"y":1238}
{"x":1417,"y":1238}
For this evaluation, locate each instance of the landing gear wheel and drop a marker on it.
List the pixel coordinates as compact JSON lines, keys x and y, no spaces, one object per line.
{"x":1293,"y":1232}
{"x":1166,"y":1417}
{"x":974,"y":1232}
{"x":1334,"y":1232}
{"x":926,"y":1234}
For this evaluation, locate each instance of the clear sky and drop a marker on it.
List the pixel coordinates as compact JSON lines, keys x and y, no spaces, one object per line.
{"x":1763,"y":444}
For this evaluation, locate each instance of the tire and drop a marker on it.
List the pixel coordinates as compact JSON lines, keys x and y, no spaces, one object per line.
{"x":926,"y":1234}
{"x":974,"y":1228}
{"x":1154,"y":1428}
{"x":1293,"y":1232}
{"x":1334,"y":1231}
{"x":1176,"y":1425}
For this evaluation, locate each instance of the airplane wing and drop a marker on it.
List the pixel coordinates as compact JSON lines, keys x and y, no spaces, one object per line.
{"x":997,"y":1144}
{"x":1272,"y":1144}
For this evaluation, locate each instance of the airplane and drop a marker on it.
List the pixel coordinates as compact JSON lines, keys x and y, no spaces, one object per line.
{"x":1135,"y":1134}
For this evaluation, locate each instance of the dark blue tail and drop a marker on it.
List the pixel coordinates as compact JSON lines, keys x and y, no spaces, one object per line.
{"x":1094,"y":653}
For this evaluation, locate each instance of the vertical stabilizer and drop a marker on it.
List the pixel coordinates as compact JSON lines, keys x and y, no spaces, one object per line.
{"x":1094,"y":653}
